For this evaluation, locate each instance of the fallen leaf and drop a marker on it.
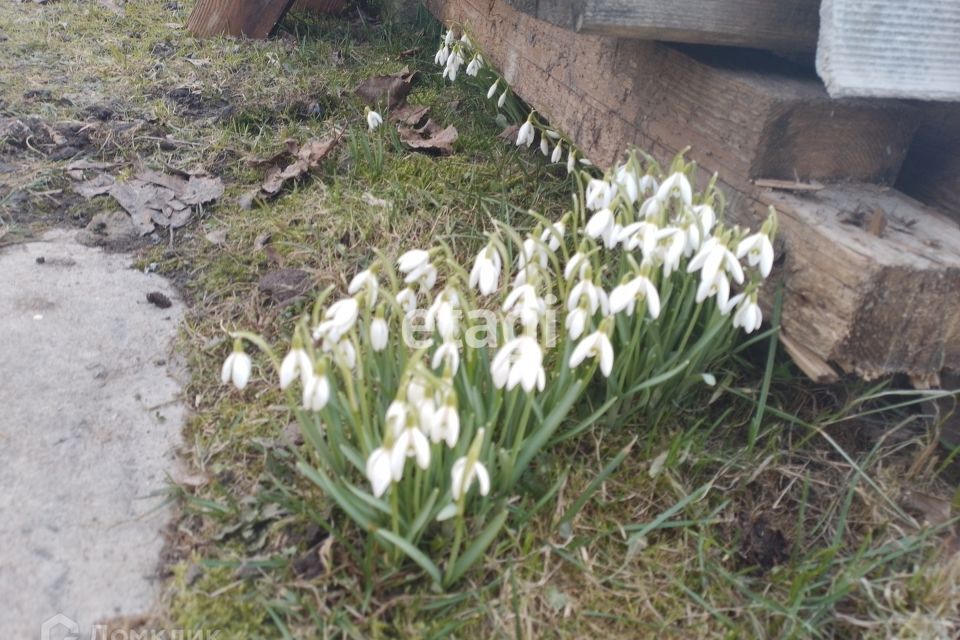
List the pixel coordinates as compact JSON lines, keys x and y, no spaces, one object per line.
{"x":429,"y":138}
{"x":261,"y":241}
{"x":95,"y":186}
{"x":245,"y":202}
{"x":510,"y":133}
{"x":283,"y":285}
{"x":217,"y":236}
{"x":306,"y":158}
{"x":409,"y":114}
{"x":408,"y":53}
{"x":391,"y":89}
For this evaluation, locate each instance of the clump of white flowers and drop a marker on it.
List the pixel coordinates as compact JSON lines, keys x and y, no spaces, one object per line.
{"x":427,"y":390}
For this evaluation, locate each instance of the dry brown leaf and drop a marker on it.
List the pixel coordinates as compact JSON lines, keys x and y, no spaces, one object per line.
{"x":409,"y":114}
{"x":306,"y":158}
{"x":98,"y":185}
{"x":429,"y":138}
{"x":390,"y":90}
{"x":510,"y":133}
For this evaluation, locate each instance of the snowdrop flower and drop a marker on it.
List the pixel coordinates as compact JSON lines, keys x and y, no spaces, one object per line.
{"x":532,"y":254}
{"x":713,"y":257}
{"x":595,"y":345}
{"x":374,"y":119}
{"x":676,"y":186}
{"x":316,"y":392}
{"x":706,"y":216}
{"x":651,"y":208}
{"x":571,"y":161}
{"x":586,"y":291}
{"x":552,"y":235}
{"x":443,"y":313}
{"x":576,"y":322}
{"x":454,"y":60}
{"x":578,"y":265}
{"x":748,"y":315}
{"x":557,"y":154}
{"x":446,"y":425}
{"x":379,"y":471}
{"x":671,"y":243}
{"x":719,"y":286}
{"x":466,"y":40}
{"x":475,"y":64}
{"x":296,"y":363}
{"x":523,"y":302}
{"x":236,"y":368}
{"x":485,"y":274}
{"x":603,"y":225}
{"x":410,"y":443}
{"x":339,"y":319}
{"x":647,"y":184}
{"x":503,"y":98}
{"x":366,"y":282}
{"x":416,"y":266}
{"x":525,"y":134}
{"x":447,"y":354}
{"x":627,"y":180}
{"x":599,"y":194}
{"x":344,"y":354}
{"x":407,"y":299}
{"x":442,"y":54}
{"x":449,"y":38}
{"x":379,"y":334}
{"x":493,"y":89}
{"x":544,"y":146}
{"x":520,"y":361}
{"x":463,"y":474}
{"x":759,"y":251}
{"x":625,"y":296}
{"x":639,"y":235}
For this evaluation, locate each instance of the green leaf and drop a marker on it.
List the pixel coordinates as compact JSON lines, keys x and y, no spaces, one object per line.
{"x":412,"y":552}
{"x":575,"y":508}
{"x":477,"y":547}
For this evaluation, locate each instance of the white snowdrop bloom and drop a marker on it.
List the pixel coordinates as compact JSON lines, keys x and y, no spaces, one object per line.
{"x":395,"y":419}
{"x":651,"y":208}
{"x":463,"y":474}
{"x":339,"y":319}
{"x":407,"y":299}
{"x":599,"y":194}
{"x":520,"y":361}
{"x":671,"y":242}
{"x":525,"y":134}
{"x":748,"y":315}
{"x":379,"y":471}
{"x":676,"y":186}
{"x":571,"y":161}
{"x":603,"y":225}
{"x":544,"y":146}
{"x":475,"y":65}
{"x":524,"y":303}
{"x":639,"y":235}
{"x":379,"y":334}
{"x":365,"y":282}
{"x":425,"y":410}
{"x":296,"y":363}
{"x":576,"y":322}
{"x":446,"y":425}
{"x":595,"y":345}
{"x":715,"y":256}
{"x":719,"y":287}
{"x":557,"y":154}
{"x":416,"y":266}
{"x":647,"y":185}
{"x":442,"y":314}
{"x":532,"y":252}
{"x":236,"y":369}
{"x":706,"y":216}
{"x":447,"y":354}
{"x":625,"y":296}
{"x":627,"y":180}
{"x":413,"y":259}
{"x":493,"y":88}
{"x":410,"y":443}
{"x":442,"y":54}
{"x":586,"y":291}
{"x":576,"y":266}
{"x":374,"y":120}
{"x":316,"y":392}
{"x":485,"y":275}
{"x":345,"y":354}
{"x":503,"y":98}
{"x":466,"y":40}
{"x":454,"y":60}
{"x":449,"y":38}
{"x":553,"y":235}
{"x":759,"y":251}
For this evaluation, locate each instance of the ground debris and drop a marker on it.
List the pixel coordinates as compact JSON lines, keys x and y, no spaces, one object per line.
{"x":282,"y":286}
{"x":290,"y":164}
{"x":389,"y":90}
{"x":429,"y":138}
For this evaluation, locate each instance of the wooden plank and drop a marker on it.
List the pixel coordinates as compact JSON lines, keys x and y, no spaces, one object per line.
{"x":746,"y":123}
{"x":246,"y":18}
{"x":890,"y":48}
{"x":775,"y":24}
{"x":931,"y":170}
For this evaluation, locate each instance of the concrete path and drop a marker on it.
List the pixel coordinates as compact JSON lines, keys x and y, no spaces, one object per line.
{"x":89,"y":418}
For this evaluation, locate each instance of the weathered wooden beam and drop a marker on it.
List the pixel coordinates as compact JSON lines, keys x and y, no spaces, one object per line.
{"x":890,"y":48}
{"x":747,"y":123}
{"x":247,"y":18}
{"x":765,"y":24}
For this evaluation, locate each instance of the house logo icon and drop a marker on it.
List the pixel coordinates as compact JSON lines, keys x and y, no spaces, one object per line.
{"x":48,"y":630}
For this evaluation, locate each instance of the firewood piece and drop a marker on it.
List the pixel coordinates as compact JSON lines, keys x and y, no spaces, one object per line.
{"x":247,"y":18}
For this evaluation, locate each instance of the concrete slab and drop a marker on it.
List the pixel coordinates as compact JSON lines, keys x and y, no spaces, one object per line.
{"x":89,"y":419}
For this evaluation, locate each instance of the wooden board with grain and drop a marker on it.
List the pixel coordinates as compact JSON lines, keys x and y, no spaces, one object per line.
{"x":240,"y":18}
{"x":747,"y":122}
{"x":775,"y":24}
{"x":931,"y":171}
